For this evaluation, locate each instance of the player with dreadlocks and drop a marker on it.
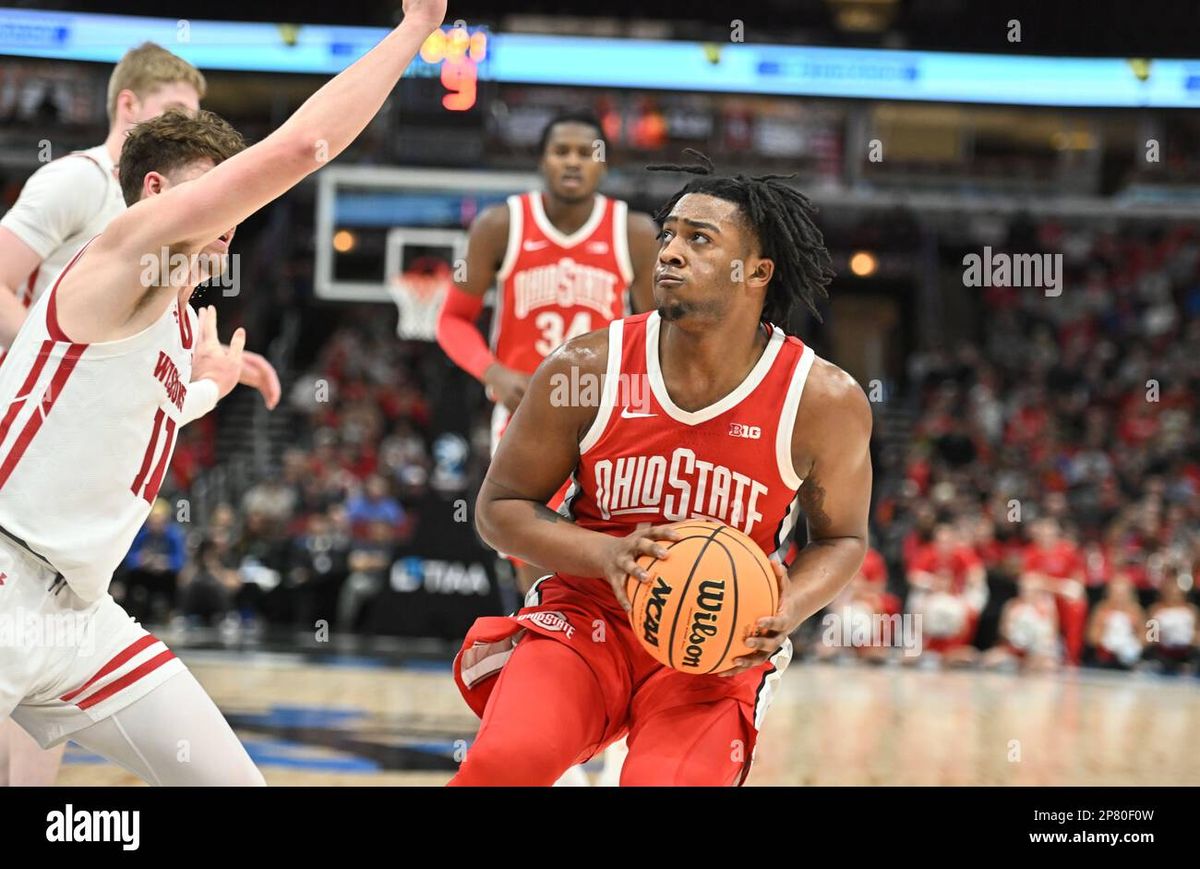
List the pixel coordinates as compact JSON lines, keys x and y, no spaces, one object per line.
{"x":744,"y":424}
{"x":781,"y":217}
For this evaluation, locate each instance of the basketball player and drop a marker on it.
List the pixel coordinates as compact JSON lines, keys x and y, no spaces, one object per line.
{"x":70,"y":200}
{"x":110,"y":359}
{"x":62,"y":205}
{"x":566,"y":261}
{"x":743,"y":424}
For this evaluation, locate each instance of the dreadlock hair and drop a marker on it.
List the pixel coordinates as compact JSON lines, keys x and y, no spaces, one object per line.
{"x":782,"y":219}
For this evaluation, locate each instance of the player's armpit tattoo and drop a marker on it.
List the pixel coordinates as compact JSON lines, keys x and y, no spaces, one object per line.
{"x":812,"y":502}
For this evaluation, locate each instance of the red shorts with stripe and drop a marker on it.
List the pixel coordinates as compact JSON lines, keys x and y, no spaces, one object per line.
{"x":635,"y":688}
{"x":66,"y":663}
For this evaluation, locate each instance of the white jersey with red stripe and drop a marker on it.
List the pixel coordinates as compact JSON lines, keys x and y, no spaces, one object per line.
{"x":86,"y":437}
{"x":62,"y":205}
{"x":553,"y":287}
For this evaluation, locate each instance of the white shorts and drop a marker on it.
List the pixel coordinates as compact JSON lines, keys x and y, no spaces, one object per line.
{"x":65,"y":663}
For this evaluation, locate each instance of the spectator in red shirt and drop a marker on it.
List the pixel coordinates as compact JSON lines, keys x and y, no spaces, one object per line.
{"x":1057,"y":564}
{"x":864,"y":597}
{"x":949,"y":590}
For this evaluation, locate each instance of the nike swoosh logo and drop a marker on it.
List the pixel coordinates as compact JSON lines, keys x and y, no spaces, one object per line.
{"x":625,"y":414}
{"x":534,"y":245}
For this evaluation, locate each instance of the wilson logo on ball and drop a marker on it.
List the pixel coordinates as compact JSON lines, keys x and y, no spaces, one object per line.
{"x":704,"y":622}
{"x":654,"y":610}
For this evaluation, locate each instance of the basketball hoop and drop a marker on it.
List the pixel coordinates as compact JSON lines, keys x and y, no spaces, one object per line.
{"x":418,"y":293}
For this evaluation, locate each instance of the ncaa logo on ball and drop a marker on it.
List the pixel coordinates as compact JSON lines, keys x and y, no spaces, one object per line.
{"x":708,"y":606}
{"x":654,"y":611}
{"x":550,"y":621}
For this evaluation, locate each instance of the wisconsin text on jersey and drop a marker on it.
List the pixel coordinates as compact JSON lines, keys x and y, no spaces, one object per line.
{"x":166,"y":373}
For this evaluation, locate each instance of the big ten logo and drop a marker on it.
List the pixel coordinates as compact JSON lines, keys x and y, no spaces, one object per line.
{"x":459,"y":52}
{"x":750,"y":432}
{"x":439,"y":577}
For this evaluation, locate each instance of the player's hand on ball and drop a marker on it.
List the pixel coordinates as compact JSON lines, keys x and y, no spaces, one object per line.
{"x":621,"y":554}
{"x":213,"y":361}
{"x":772,"y":631}
{"x":505,"y":385}
{"x":260,"y":374}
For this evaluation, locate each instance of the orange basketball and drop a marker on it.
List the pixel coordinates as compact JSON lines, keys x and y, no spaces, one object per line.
{"x":703,"y":602}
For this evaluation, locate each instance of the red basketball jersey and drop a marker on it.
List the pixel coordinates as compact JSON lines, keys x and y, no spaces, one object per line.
{"x":644,"y":459}
{"x":553,"y":287}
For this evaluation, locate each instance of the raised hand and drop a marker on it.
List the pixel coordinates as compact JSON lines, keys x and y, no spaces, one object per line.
{"x":213,"y":361}
{"x":260,"y":374}
{"x":430,"y":11}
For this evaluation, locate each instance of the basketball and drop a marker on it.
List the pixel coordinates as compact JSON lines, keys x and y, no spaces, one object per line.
{"x":703,"y":602}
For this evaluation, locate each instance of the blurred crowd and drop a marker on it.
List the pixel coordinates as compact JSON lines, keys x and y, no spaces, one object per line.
{"x":1047,"y":511}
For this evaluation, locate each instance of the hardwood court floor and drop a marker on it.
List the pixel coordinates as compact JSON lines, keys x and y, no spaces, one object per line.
{"x":355,"y":722}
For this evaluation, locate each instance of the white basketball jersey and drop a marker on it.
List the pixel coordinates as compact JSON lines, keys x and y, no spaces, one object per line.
{"x":62,"y":205}
{"x":86,"y":437}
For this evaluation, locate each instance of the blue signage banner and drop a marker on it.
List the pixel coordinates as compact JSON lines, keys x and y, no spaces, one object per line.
{"x":625,"y":63}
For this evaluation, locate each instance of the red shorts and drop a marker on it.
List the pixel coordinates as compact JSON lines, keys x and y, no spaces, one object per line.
{"x":635,"y":689}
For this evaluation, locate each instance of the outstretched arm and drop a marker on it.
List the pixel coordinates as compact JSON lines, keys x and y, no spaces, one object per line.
{"x":192,"y":215}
